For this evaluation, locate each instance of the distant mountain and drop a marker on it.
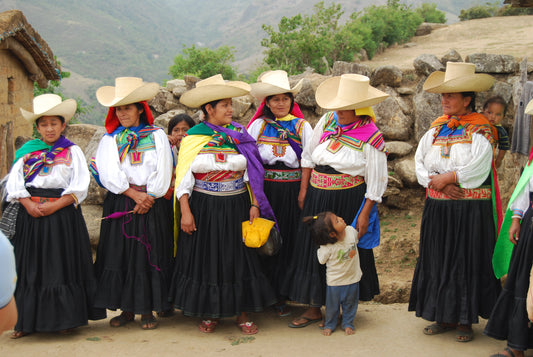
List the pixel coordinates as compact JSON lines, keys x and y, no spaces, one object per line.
{"x":99,"y":40}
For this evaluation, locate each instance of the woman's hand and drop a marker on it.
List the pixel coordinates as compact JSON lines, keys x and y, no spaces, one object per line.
{"x":254,"y":213}
{"x":453,"y":191}
{"x":362,"y":224}
{"x":48,"y":208}
{"x":172,"y":140}
{"x":187,"y":222}
{"x":143,"y":201}
{"x":301,"y":197}
{"x":514,"y":231}
{"x":438,"y":182}
{"x":304,"y":183}
{"x":31,"y":207}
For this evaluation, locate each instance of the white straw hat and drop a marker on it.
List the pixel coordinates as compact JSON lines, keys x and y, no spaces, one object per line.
{"x":213,"y":88}
{"x":127,"y":90}
{"x":50,"y":105}
{"x":349,"y":91}
{"x":459,"y":77}
{"x":529,"y":108}
{"x":272,"y":83}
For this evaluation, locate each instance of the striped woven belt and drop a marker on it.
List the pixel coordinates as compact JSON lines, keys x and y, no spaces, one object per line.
{"x":335,"y":181}
{"x":481,"y":193}
{"x":221,"y":188}
{"x":293,"y":175}
{"x":140,"y":188}
{"x":43,"y":199}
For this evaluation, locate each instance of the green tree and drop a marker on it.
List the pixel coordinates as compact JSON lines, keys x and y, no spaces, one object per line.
{"x":430,"y":13}
{"x":479,"y":11}
{"x":204,"y":62}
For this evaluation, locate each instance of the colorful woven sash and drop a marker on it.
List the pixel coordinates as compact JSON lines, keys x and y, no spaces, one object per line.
{"x":35,"y":161}
{"x":129,"y":138}
{"x":220,"y":182}
{"x":284,"y":134}
{"x":335,"y":181}
{"x":480,"y":193}
{"x":294,"y":175}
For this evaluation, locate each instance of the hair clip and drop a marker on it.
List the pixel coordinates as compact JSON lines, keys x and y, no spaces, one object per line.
{"x":315,"y":217}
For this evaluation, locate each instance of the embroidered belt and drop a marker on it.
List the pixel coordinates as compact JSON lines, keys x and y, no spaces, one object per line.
{"x":481,"y":193}
{"x":335,"y":181}
{"x":220,"y":188}
{"x":283,"y":175}
{"x":43,"y":199}
{"x":141,"y":188}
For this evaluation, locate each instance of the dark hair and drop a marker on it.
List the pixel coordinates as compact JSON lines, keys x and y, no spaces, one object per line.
{"x":321,"y":227}
{"x":266,"y":110}
{"x":144,"y":117}
{"x":472,"y":104}
{"x":496,"y":99}
{"x":58,"y":116}
{"x":175,"y":120}
{"x":213,"y":105}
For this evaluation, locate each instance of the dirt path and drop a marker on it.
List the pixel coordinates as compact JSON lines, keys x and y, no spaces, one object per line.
{"x":381,"y":330}
{"x":509,"y":35}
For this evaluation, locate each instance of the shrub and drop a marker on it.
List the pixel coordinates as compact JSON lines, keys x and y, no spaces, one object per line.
{"x":479,"y":11}
{"x":430,"y":13}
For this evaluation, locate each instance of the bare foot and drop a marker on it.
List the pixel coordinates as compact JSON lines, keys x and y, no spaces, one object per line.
{"x":326,"y":332}
{"x":18,"y":334}
{"x":349,"y":331}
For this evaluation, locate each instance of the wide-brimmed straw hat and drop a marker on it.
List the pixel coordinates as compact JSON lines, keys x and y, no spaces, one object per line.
{"x":127,"y":90}
{"x":213,"y":88}
{"x":349,"y":91}
{"x":50,"y":105}
{"x":459,"y":77}
{"x":272,"y":83}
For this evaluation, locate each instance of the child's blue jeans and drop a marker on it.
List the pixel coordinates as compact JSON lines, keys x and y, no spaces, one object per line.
{"x":345,"y":296}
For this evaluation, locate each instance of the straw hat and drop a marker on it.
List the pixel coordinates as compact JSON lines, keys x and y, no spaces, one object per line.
{"x":349,"y":91}
{"x":529,"y":108}
{"x":50,"y":104}
{"x":127,"y":90}
{"x":459,"y":77}
{"x":272,"y":83}
{"x":213,"y":88}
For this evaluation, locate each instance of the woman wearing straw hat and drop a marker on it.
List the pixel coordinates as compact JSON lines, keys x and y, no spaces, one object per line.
{"x":56,"y":282}
{"x":216,"y":275}
{"x":453,"y":281}
{"x":344,"y":170}
{"x":281,"y":134}
{"x":134,"y":163}
{"x":509,"y":319}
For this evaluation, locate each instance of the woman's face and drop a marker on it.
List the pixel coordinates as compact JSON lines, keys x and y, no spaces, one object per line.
{"x":347,"y":116}
{"x":50,"y":128}
{"x":129,"y":115}
{"x":279,"y":105}
{"x":221,"y":114}
{"x":179,"y":130}
{"x":454,"y":103}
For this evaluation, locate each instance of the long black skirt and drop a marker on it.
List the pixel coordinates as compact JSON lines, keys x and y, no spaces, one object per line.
{"x":56,"y":282}
{"x":216,"y":275}
{"x":453,"y":280}
{"x":283,"y":197}
{"x":305,"y":280}
{"x":509,"y":320}
{"x":135,"y":257}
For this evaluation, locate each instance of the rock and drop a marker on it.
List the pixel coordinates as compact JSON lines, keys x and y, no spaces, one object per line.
{"x":340,"y":67}
{"x":93,"y":218}
{"x":164,"y":101}
{"x":241,"y":106}
{"x":427,"y":108}
{"x":387,"y":75}
{"x":397,"y":149}
{"x":394,"y":182}
{"x":405,"y":168}
{"x":451,"y":56}
{"x":426,"y":64}
{"x":363,"y":55}
{"x":423,"y":29}
{"x":162,"y":120}
{"x":190,"y":81}
{"x":179,"y":90}
{"x":405,"y":90}
{"x":489,"y":63}
{"x":409,"y":45}
{"x":170,"y":85}
{"x":390,"y":119}
{"x":306,"y":96}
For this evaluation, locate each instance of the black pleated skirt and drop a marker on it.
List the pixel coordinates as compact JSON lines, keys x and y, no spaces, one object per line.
{"x":283,"y":197}
{"x":453,"y":280}
{"x":215,"y":274}
{"x":305,"y":280}
{"x":135,"y":257}
{"x":56,"y":283}
{"x":509,"y":320}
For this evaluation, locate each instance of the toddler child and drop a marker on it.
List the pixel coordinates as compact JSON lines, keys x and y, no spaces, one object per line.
{"x":494,"y":109}
{"x":338,"y":251}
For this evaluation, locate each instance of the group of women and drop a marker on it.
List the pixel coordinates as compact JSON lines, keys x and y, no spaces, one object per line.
{"x":280,"y":168}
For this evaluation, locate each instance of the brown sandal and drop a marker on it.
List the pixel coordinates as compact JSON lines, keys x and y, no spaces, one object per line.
{"x":18,"y":334}
{"x":122,"y":319}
